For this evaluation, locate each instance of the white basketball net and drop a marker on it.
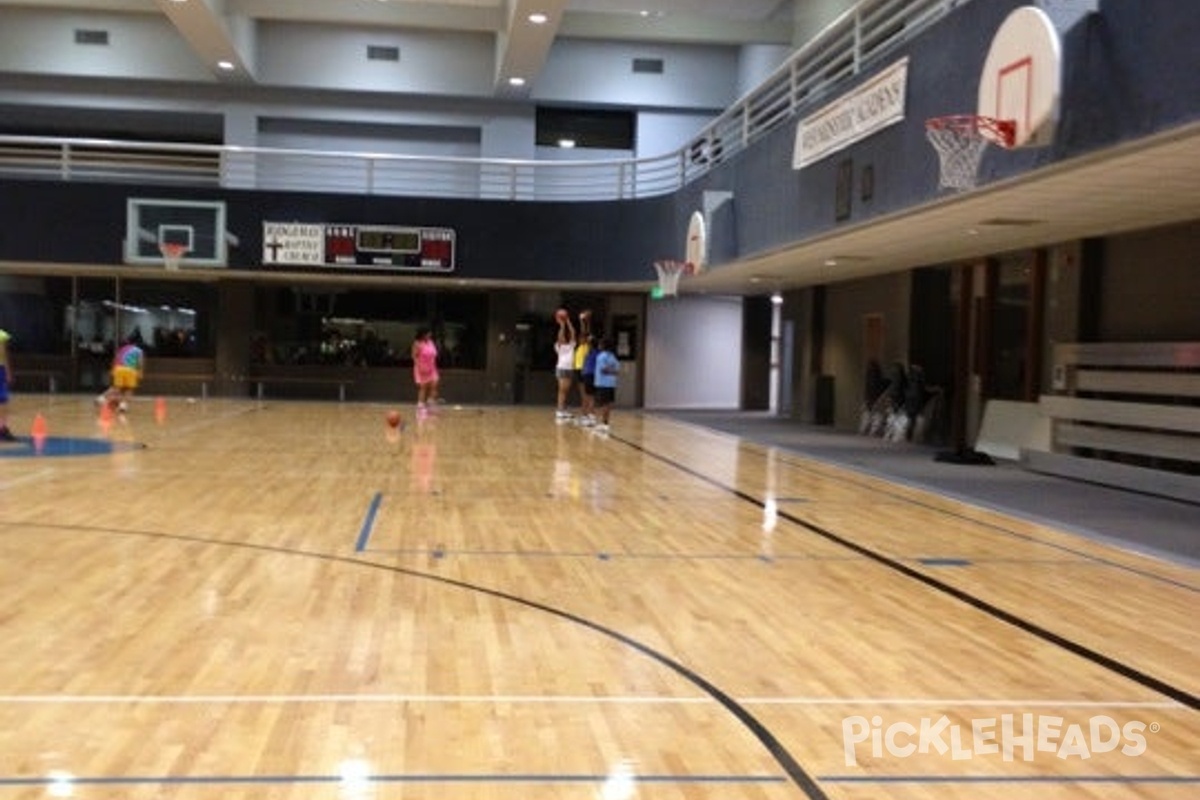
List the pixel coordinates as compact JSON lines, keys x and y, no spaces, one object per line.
{"x":172,"y":254}
{"x":669,"y":273}
{"x":960,"y":142}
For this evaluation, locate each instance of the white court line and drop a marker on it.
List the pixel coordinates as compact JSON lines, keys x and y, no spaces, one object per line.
{"x":573,"y":699}
{"x":33,"y":476}
{"x":964,"y":702}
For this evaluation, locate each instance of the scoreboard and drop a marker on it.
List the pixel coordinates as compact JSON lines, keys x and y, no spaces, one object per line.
{"x":370,"y":247}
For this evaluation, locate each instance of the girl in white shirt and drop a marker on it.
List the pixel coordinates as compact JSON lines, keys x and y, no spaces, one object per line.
{"x":564,"y":369}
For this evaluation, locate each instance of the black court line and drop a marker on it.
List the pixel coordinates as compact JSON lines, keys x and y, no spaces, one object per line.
{"x":790,"y":459}
{"x":786,"y":761}
{"x":1096,"y":657}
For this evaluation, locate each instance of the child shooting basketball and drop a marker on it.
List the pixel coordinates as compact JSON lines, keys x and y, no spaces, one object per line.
{"x":564,"y":367}
{"x":585,"y":378}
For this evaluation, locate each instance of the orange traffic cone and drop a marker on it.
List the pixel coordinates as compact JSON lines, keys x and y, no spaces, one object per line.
{"x":37,"y":432}
{"x":106,"y":416}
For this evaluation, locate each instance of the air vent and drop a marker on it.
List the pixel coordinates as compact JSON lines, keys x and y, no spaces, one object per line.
{"x":648,"y":66}
{"x":85,"y":36}
{"x":382,"y":52}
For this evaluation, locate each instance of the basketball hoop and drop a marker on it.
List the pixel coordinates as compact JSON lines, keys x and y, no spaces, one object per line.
{"x":960,"y":140}
{"x":669,"y":272}
{"x":172,"y":254}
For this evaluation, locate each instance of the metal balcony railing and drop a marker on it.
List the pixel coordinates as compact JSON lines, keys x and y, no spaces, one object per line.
{"x":856,"y":41}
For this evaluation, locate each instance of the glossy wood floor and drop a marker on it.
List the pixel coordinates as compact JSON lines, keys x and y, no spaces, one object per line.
{"x":288,"y":601}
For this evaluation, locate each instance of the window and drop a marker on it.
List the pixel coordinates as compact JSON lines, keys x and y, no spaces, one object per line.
{"x":600,"y":129}
{"x":367,"y":327}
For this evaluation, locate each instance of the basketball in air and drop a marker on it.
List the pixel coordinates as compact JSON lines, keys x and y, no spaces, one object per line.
{"x":560,"y":315}
{"x":393,"y":419}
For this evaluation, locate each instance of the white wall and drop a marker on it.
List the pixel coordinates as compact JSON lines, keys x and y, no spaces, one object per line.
{"x":694,"y":76}
{"x":140,"y":46}
{"x":757,"y":62}
{"x":659,"y":132}
{"x":332,"y":57}
{"x":694,"y":353}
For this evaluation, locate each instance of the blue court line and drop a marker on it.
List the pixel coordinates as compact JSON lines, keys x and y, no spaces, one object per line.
{"x":364,"y":533}
{"x":132,"y":780}
{"x":605,"y":555}
{"x":1120,"y":779}
{"x":442,"y":552}
{"x":66,"y":446}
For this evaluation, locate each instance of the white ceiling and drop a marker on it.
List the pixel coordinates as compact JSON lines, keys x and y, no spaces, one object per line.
{"x":216,"y":32}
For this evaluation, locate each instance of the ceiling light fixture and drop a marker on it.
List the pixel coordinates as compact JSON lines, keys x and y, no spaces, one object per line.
{"x":538,"y":18}
{"x":515,"y":81}
{"x":566,"y":144}
{"x":225,"y":65}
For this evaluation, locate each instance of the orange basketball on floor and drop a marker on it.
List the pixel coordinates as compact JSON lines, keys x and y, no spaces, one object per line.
{"x":560,"y":315}
{"x":393,"y":419}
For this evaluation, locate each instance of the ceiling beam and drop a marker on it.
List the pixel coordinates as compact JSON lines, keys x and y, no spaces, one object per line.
{"x":523,"y":46}
{"x":475,"y":18}
{"x":214,"y":38}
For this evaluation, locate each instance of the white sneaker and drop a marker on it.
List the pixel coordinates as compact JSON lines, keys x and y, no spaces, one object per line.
{"x":122,"y":406}
{"x":601,"y":429}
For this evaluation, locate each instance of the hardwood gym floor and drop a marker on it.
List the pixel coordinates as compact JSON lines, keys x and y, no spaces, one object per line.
{"x":227,"y":599}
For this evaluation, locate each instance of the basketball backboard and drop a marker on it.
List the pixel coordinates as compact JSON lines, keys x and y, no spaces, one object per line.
{"x":1021,"y":79}
{"x":197,"y":225}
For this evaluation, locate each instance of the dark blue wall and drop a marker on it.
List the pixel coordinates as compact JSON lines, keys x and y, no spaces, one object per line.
{"x":556,"y":242}
{"x":1129,"y":71}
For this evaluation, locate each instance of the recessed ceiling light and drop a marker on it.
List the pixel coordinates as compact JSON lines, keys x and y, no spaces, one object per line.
{"x":538,"y":18}
{"x":225,"y":65}
{"x":566,"y":144}
{"x":516,"y":81}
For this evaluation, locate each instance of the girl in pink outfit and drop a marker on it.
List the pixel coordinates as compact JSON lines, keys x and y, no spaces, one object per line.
{"x":425,"y":371}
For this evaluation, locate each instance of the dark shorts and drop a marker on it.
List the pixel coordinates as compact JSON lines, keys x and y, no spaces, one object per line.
{"x":3,"y":385}
{"x":605,"y":395}
{"x":589,"y":383}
